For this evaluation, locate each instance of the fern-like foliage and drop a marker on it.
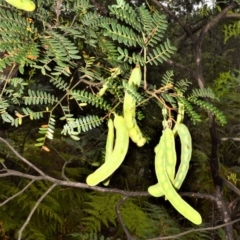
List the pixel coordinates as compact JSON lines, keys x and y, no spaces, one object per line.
{"x":210,"y":107}
{"x":17,"y":39}
{"x":87,"y":97}
{"x":231,"y":30}
{"x":203,"y":92}
{"x":37,"y":97}
{"x":139,"y":20}
{"x":132,"y":91}
{"x":101,"y":212}
{"x":195,"y":117}
{"x":162,"y":218}
{"x":76,"y":126}
{"x":92,"y":236}
{"x":64,"y":219}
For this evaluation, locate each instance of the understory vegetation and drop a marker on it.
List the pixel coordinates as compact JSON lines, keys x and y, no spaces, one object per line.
{"x":66,"y":71}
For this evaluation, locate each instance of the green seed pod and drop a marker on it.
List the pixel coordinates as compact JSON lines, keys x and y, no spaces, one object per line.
{"x":102,"y":90}
{"x":136,"y":136}
{"x":129,"y":109}
{"x":156,"y":190}
{"x":136,"y":76}
{"x":117,"y":156}
{"x":186,"y":153}
{"x":170,"y":153}
{"x":178,"y":203}
{"x":180,"y":116}
{"x":109,"y":146}
{"x":25,"y":5}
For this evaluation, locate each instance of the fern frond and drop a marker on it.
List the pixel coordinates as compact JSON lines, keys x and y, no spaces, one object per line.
{"x":59,"y":83}
{"x":58,"y":48}
{"x":195,"y":117}
{"x":15,"y":89}
{"x":182,"y":86}
{"x":167,"y":78}
{"x":205,"y":10}
{"x":92,"y":236}
{"x":202,"y":92}
{"x":92,"y":19}
{"x":231,"y":30}
{"x":161,"y":217}
{"x":126,"y":13}
{"x":210,"y":107}
{"x":32,"y":115}
{"x":132,"y":91}
{"x":135,"y":58}
{"x":39,"y":97}
{"x":135,"y":219}
{"x":109,"y":48}
{"x":161,"y":53}
{"x":78,"y":6}
{"x":76,"y":126}
{"x":159,"y":26}
{"x":17,"y":39}
{"x":145,"y":19}
{"x":122,"y":34}
{"x":15,"y":27}
{"x":87,"y":97}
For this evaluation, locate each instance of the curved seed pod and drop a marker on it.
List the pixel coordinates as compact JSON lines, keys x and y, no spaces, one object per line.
{"x":25,"y":5}
{"x":136,"y":76}
{"x":117,"y":156}
{"x":136,"y":136}
{"x":156,"y":190}
{"x":102,"y":90}
{"x":129,"y":110}
{"x":109,"y":145}
{"x":186,"y":153}
{"x":178,"y":203}
{"x":180,"y":116}
{"x":170,"y":152}
{"x":129,"y":103}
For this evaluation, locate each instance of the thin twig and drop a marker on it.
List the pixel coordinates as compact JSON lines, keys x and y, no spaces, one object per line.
{"x":230,"y":185}
{"x":124,"y":199}
{"x":196,"y":230}
{"x":199,"y":195}
{"x":21,"y":157}
{"x":33,"y":210}
{"x":17,"y":194}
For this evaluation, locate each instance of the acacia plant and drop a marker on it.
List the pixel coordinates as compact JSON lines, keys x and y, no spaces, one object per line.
{"x":66,"y":67}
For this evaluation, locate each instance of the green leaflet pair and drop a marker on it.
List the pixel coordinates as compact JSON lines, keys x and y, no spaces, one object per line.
{"x":25,"y":5}
{"x":165,"y":163}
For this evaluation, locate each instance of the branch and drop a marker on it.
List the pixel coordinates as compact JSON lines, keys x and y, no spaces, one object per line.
{"x":33,"y":210}
{"x":230,"y":138}
{"x":129,"y":237}
{"x":199,"y":195}
{"x":230,"y":185}
{"x":197,"y":230}
{"x":183,"y":67}
{"x":22,"y":158}
{"x":215,"y":20}
{"x":233,"y":15}
{"x":173,"y":16}
{"x":17,"y":194}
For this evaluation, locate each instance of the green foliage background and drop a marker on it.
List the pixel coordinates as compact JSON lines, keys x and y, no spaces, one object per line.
{"x":65,"y":55}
